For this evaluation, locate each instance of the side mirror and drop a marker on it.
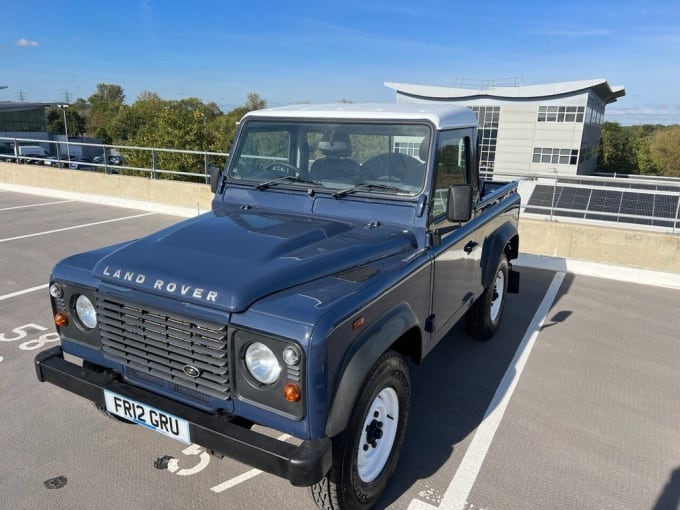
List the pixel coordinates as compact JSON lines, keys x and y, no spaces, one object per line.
{"x":460,"y":203}
{"x":215,"y":173}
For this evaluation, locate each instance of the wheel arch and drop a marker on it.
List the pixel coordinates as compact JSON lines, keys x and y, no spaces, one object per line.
{"x":504,"y":240}
{"x":399,"y":330}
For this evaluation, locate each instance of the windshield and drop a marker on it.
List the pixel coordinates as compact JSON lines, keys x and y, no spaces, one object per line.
{"x":333,"y":156}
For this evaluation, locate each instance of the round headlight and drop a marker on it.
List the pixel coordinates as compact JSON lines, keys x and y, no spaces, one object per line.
{"x":291,"y":356}
{"x":262,"y":363}
{"x":56,"y":291}
{"x":86,"y":312}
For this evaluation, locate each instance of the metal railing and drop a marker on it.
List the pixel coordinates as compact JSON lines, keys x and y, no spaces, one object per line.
{"x":644,"y":202}
{"x":649,"y":203}
{"x":82,"y":156}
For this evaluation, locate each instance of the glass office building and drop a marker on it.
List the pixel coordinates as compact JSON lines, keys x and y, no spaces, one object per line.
{"x":550,"y":128}
{"x":22,"y":117}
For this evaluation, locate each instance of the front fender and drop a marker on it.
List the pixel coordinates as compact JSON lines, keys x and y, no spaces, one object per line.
{"x":366,"y":350}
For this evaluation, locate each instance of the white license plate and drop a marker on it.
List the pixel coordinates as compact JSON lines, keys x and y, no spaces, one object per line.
{"x":148,"y":416}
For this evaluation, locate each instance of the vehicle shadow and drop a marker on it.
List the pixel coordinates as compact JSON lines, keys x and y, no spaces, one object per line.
{"x":455,"y":385}
{"x":669,"y":499}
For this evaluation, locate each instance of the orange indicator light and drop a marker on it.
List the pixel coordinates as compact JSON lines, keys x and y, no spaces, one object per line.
{"x":292,"y":392}
{"x":358,"y":323}
{"x":61,"y":320}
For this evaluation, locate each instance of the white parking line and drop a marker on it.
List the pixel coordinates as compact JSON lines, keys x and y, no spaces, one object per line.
{"x":232,"y":482}
{"x":75,"y":227}
{"x":22,"y":292}
{"x":236,"y":480}
{"x":459,"y":489}
{"x":35,"y":205}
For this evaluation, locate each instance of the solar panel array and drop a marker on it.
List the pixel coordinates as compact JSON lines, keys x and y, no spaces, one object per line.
{"x":632,"y":203}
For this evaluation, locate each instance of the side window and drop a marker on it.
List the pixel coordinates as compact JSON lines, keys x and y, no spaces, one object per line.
{"x":451,"y":166}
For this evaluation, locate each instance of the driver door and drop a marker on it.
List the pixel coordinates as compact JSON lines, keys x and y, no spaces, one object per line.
{"x":457,"y":259}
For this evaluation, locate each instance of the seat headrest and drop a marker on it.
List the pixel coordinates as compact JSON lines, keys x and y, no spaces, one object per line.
{"x":336,"y":144}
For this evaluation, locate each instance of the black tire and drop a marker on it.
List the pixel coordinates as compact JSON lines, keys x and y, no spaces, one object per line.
{"x":483,"y":318}
{"x":349,"y":486}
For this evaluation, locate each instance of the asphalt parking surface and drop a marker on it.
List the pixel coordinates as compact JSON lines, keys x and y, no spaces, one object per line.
{"x":583,"y":413}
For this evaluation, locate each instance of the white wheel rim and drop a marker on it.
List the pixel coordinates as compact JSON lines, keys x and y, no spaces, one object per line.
{"x":497,"y":298}
{"x":375,"y":447}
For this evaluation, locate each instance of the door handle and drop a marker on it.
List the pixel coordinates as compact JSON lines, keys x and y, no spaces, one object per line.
{"x":470,"y":246}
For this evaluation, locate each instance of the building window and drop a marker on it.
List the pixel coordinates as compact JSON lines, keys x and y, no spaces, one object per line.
{"x":588,"y":153}
{"x":487,"y":123}
{"x":560,"y":113}
{"x":23,"y":120}
{"x":409,"y":148}
{"x":555,"y":156}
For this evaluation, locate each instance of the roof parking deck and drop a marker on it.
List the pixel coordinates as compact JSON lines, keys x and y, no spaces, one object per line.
{"x":572,"y":405}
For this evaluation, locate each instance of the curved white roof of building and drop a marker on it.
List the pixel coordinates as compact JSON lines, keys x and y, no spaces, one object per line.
{"x":599,"y":86}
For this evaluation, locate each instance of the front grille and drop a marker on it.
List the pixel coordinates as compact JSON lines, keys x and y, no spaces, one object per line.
{"x":157,"y":346}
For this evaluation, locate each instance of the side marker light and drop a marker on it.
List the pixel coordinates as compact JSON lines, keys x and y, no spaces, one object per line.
{"x":292,"y":392}
{"x":61,"y":320}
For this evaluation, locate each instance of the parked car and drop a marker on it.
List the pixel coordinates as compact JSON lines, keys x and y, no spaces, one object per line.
{"x":7,"y":152}
{"x":340,"y":266}
{"x":52,"y":161}
{"x":111,"y":160}
{"x":81,"y":163}
{"x":32,"y":154}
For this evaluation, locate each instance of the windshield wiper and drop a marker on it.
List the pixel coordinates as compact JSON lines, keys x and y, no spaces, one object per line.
{"x":365,"y":186}
{"x":286,"y":178}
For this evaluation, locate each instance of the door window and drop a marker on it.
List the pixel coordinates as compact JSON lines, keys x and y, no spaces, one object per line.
{"x":451,"y":167}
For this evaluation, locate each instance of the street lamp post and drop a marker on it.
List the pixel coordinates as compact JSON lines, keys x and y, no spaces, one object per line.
{"x":68,"y":151}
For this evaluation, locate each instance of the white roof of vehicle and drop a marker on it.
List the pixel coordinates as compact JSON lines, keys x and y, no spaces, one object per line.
{"x":441,"y":115}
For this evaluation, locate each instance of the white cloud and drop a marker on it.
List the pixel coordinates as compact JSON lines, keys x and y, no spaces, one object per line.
{"x":26,"y":43}
{"x":644,"y":114}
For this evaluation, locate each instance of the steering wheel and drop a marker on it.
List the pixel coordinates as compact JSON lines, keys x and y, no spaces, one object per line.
{"x":280,"y":169}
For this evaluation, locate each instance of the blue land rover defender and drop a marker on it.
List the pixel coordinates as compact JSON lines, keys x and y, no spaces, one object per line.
{"x":342,"y":239}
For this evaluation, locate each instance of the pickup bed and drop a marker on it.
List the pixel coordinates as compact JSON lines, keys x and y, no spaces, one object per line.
{"x":342,"y":240}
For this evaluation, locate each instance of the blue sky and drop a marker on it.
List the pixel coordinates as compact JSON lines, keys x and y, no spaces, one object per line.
{"x":302,"y":51}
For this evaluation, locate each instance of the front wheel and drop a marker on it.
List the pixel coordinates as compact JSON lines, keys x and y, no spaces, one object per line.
{"x":366,"y":453}
{"x":484,"y":316}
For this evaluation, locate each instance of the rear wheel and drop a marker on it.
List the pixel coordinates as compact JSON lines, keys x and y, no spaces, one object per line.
{"x":484,"y":316}
{"x":366,"y":453}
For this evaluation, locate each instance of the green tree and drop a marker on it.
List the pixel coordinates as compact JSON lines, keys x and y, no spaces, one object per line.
{"x":643,"y":154}
{"x":223,"y":127}
{"x":664,"y":149}
{"x":255,"y":102}
{"x":55,"y":121}
{"x":106,"y":105}
{"x":184,"y":124}
{"x":617,"y":150}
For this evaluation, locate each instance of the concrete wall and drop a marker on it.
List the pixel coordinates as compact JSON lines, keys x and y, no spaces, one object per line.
{"x":602,"y":244}
{"x":610,"y":245}
{"x":175,"y":194}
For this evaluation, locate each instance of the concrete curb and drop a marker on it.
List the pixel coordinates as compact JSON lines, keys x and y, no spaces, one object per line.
{"x":599,"y":270}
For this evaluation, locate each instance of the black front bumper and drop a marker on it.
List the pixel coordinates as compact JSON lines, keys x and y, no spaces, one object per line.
{"x":302,"y":465}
